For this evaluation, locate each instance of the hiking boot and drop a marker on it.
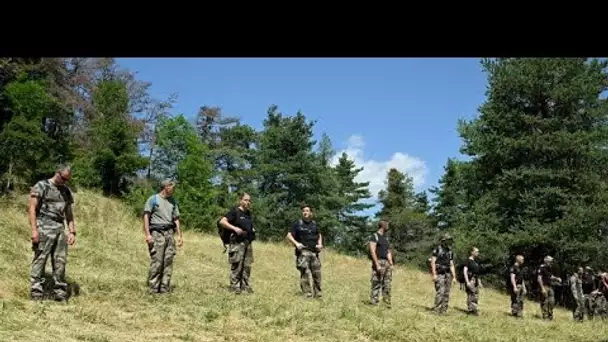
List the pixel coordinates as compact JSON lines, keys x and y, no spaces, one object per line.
{"x":36,"y":296}
{"x":319,"y":295}
{"x":247,"y":290}
{"x":61,"y":298}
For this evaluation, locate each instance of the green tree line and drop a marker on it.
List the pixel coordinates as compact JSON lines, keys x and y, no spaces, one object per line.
{"x":533,"y":181}
{"x":102,"y":120}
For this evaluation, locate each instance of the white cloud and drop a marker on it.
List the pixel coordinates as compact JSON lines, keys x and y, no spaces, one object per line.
{"x":375,"y":171}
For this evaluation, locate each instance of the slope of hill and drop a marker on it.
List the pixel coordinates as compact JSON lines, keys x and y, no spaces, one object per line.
{"x":108,"y":267}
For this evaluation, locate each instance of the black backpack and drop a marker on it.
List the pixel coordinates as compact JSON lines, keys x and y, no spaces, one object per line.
{"x":460,"y":273}
{"x":223,"y":233}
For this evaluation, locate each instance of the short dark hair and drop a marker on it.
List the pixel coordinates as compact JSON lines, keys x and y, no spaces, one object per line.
{"x":305,"y":205}
{"x":63,"y":168}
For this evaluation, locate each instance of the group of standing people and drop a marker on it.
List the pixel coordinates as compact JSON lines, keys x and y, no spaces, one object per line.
{"x":50,"y":207}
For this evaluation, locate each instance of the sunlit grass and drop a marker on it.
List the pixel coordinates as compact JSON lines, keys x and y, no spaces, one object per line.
{"x":109,"y":265}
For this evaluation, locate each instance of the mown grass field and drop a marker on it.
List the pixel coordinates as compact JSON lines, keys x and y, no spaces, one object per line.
{"x":109,"y":265}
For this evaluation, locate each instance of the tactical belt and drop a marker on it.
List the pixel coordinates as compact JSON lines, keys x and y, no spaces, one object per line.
{"x":161,"y":227}
{"x":53,"y":218}
{"x":443,"y":269}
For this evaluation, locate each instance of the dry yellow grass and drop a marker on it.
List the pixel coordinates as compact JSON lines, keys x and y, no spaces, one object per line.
{"x":109,"y":264}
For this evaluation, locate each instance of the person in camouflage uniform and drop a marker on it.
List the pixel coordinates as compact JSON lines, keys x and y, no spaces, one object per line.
{"x":161,"y":223}
{"x":240,"y":249}
{"x":50,"y":205}
{"x":546,"y":280}
{"x":576,"y":288}
{"x":444,"y":273}
{"x":601,"y":296}
{"x":308,"y":242}
{"x":471,"y":280}
{"x":382,"y":265}
{"x":589,"y":291}
{"x":517,"y":287}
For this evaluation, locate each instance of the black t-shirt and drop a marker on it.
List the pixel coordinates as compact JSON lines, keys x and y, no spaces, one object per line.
{"x":444,"y":256}
{"x":545,"y":272}
{"x":519,"y":274}
{"x":589,"y":284}
{"x":472,"y":267}
{"x":382,"y":245}
{"x":243,"y":220}
{"x":306,"y":233}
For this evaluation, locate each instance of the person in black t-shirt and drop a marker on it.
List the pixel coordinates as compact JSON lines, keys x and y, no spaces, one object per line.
{"x":308,"y":241}
{"x":472,"y":281}
{"x":545,"y":279}
{"x":589,"y":293}
{"x":444,"y":273}
{"x":240,"y":252}
{"x":382,"y":265}
{"x":517,"y":287}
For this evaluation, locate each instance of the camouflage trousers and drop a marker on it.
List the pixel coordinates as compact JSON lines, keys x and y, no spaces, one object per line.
{"x":578,"y":313}
{"x":240,"y":257}
{"x":596,"y":306}
{"x":309,"y":265}
{"x":472,"y":289}
{"x":381,"y":283}
{"x":162,"y":251}
{"x":547,"y":303}
{"x":517,"y":301}
{"x":443,"y":286}
{"x":53,"y":244}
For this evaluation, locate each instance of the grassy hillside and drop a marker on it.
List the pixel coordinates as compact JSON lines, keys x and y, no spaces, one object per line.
{"x":108,"y":266}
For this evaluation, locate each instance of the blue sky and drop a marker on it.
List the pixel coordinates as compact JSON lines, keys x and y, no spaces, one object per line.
{"x":384,"y":112}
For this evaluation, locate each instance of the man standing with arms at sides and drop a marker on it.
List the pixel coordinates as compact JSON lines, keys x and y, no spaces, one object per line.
{"x":444,"y":273}
{"x":50,"y":205}
{"x":576,"y":288}
{"x":308,"y":241}
{"x":589,"y":293}
{"x":240,"y":252}
{"x":382,"y":265}
{"x":472,"y":282}
{"x":517,"y":287}
{"x":545,"y":279}
{"x":161,"y":223}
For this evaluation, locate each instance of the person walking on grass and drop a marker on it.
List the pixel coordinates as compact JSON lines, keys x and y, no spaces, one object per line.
{"x":472,"y":282}
{"x":240,"y":251}
{"x":517,"y":287}
{"x":50,"y":206}
{"x":161,"y":224}
{"x":546,"y":279}
{"x":308,"y":242}
{"x":576,"y":288}
{"x":382,"y":265}
{"x":443,"y":272}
